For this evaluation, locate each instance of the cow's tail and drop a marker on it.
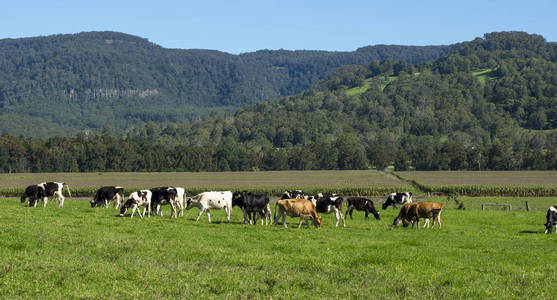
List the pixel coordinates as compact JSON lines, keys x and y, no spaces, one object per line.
{"x":68,"y":188}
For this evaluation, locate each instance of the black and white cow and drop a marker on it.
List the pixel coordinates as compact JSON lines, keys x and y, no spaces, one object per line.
{"x":135,"y":200}
{"x":253,"y":205}
{"x":327,"y":203}
{"x":180,"y":200}
{"x":360,"y":203}
{"x":161,"y":196}
{"x":106,"y":194}
{"x":551,"y":219}
{"x":397,"y":198}
{"x":294,"y":194}
{"x":44,"y":191}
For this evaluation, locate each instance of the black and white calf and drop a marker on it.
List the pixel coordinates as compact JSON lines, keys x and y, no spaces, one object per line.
{"x":106,"y":194}
{"x":364,"y":204}
{"x":397,"y":198}
{"x":161,"y":196}
{"x":294,"y":194}
{"x":135,"y":200}
{"x":253,"y":205}
{"x":327,"y":203}
{"x":551,"y":219}
{"x":44,"y":191}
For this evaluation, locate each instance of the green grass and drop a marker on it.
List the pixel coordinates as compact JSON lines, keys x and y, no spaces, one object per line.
{"x":482,"y":75}
{"x":368,"y":83}
{"x":81,"y":252}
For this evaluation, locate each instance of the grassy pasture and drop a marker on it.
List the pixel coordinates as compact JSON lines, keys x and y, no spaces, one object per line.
{"x":84,"y":252}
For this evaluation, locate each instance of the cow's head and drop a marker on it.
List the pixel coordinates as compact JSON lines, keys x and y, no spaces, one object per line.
{"x":93,"y":203}
{"x":375,"y":212}
{"x":388,"y":202}
{"x":318,"y":221}
{"x":188,"y":203}
{"x":123,"y":210}
{"x":238,"y":199}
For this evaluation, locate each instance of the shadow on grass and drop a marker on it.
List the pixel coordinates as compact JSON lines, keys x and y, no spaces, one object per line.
{"x":530,"y":232}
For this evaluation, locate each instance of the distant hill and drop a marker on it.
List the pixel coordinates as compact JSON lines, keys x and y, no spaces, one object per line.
{"x":62,"y":84}
{"x":491,"y":104}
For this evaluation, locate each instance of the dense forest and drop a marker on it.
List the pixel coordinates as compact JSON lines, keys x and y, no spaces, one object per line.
{"x":491,"y":104}
{"x":64,"y":84}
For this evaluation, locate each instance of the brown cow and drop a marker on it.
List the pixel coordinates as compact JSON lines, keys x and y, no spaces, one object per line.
{"x":412,"y":212}
{"x":297,"y":208}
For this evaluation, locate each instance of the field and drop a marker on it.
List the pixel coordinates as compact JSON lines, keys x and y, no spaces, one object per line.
{"x":274,"y":182}
{"x":84,"y":252}
{"x":486,"y":178}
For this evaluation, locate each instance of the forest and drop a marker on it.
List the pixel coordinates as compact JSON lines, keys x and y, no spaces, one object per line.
{"x":490,"y":105}
{"x":62,"y":84}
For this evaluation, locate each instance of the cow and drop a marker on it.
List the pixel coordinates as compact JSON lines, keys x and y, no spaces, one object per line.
{"x":327,"y":203}
{"x":252,"y":205}
{"x":551,"y":219}
{"x":208,"y":200}
{"x":360,"y":203}
{"x":33,"y":193}
{"x":412,"y":212}
{"x":45,"y":190}
{"x":294,"y":194}
{"x":163,"y":195}
{"x":137,"y":199}
{"x":297,"y":208}
{"x":397,"y":198}
{"x":180,"y":199}
{"x":106,"y":194}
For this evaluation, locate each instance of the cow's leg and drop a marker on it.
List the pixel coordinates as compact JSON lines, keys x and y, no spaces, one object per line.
{"x":201,"y":210}
{"x":302,"y":221}
{"x":347,"y":211}
{"x":342,"y":217}
{"x":45,"y":200}
{"x":134,"y":208}
{"x":144,"y":210}
{"x":245,"y":215}
{"x":209,"y":214}
{"x":228,"y":211}
{"x":367,"y":214}
{"x":439,"y":221}
{"x":173,"y":211}
{"x":284,"y":220}
{"x":269,"y":214}
{"x":180,"y":208}
{"x":60,"y":201}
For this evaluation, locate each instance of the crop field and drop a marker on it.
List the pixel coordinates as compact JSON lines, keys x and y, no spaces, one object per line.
{"x":485,"y":178}
{"x":84,"y":252}
{"x":273,"y":182}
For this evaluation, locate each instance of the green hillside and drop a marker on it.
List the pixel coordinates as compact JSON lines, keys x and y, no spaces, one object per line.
{"x":490,"y":105}
{"x":69,"y":83}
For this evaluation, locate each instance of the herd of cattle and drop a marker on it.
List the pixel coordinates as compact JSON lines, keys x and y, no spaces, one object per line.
{"x":292,"y":203}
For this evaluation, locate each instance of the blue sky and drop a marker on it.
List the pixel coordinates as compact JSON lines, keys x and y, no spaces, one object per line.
{"x":238,"y":26}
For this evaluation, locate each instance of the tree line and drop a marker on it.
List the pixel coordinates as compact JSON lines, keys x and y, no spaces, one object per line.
{"x":107,"y":153}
